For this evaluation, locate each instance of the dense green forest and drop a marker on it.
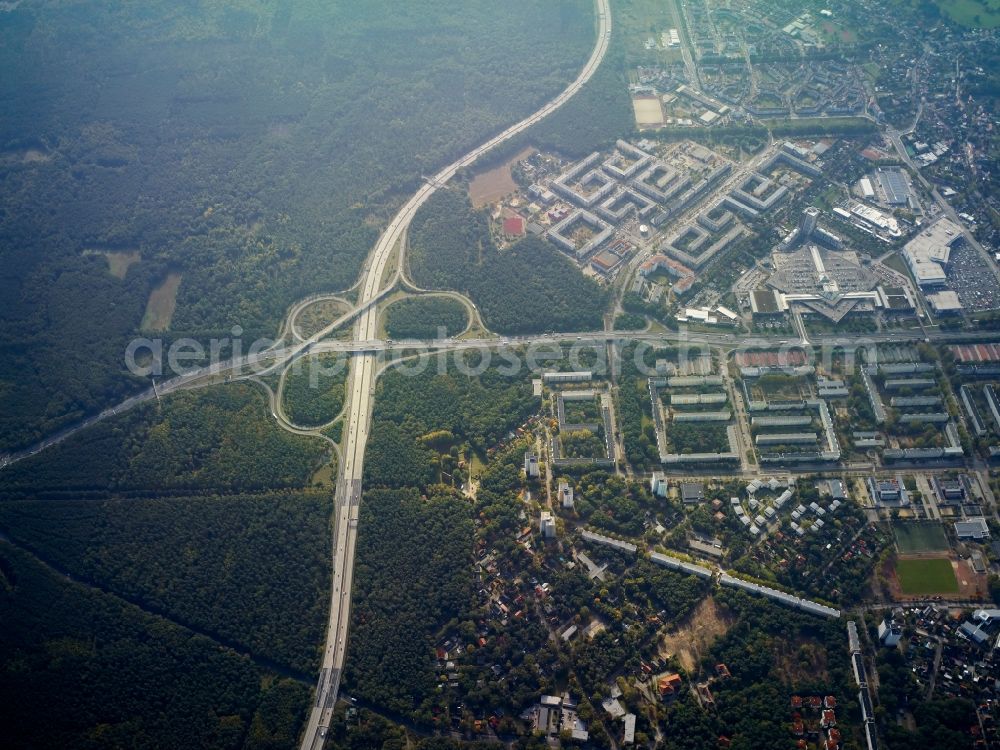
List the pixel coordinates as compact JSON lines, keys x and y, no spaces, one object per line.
{"x":599,"y":114}
{"x":447,"y":409}
{"x":527,"y":288}
{"x":413,"y":574}
{"x":251,"y":148}
{"x":423,"y":317}
{"x":214,"y":439}
{"x":83,"y":669}
{"x":314,"y":389}
{"x":635,"y":413}
{"x":232,"y":566}
{"x":367,"y":730}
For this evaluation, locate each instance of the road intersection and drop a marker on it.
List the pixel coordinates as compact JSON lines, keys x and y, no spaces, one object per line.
{"x":360,"y":388}
{"x":368,"y":358}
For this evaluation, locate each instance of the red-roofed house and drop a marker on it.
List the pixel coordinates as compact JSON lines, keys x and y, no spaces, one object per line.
{"x":668,"y":685}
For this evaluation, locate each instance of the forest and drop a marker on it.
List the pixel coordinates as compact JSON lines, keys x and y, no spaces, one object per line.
{"x":219,"y":438}
{"x":771,"y":653}
{"x":634,"y":410}
{"x":424,"y":317}
{"x":232,"y":566}
{"x":252,"y":149}
{"x":475,"y":410}
{"x":527,"y":288}
{"x":609,"y":502}
{"x":413,"y":574}
{"x":314,"y":389}
{"x":84,"y":669}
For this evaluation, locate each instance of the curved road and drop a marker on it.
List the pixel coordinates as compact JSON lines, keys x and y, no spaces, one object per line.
{"x":361,"y":382}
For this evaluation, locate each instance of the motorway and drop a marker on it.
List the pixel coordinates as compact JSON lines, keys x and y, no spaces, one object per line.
{"x":270,"y":360}
{"x":360,"y":386}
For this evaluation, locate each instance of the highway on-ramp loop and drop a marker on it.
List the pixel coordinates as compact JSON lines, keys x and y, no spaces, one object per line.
{"x":360,"y":385}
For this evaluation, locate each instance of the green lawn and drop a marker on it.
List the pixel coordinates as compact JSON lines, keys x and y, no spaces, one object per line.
{"x":983,"y":14}
{"x":915,"y":536}
{"x":933,"y":576}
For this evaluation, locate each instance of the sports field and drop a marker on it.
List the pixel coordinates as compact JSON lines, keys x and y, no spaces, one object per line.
{"x":926,"y":576}
{"x":648,"y":111}
{"x":918,"y":536}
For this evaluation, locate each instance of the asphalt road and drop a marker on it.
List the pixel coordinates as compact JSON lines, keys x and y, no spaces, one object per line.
{"x":360,"y":386}
{"x":271,"y":359}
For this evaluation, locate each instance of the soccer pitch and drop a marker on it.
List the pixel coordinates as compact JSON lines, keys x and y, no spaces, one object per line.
{"x":920,"y":536}
{"x":926,"y":576}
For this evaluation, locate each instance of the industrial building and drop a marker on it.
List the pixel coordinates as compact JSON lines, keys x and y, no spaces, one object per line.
{"x":893,"y":186}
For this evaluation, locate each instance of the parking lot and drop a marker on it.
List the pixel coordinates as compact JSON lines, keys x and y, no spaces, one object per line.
{"x":973,"y":280}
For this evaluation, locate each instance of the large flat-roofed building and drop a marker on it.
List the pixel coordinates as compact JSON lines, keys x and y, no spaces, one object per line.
{"x":623,"y":202}
{"x":972,"y":528}
{"x":660,"y":181}
{"x":786,"y":438}
{"x":575,"y":376}
{"x":896,"y":299}
{"x":585,"y":188}
{"x":945,"y":302}
{"x":766,"y":302}
{"x":692,"y":492}
{"x":562,"y":233}
{"x":892,"y":184}
{"x":831,"y":283}
{"x":626,"y":160}
{"x":872,"y":217}
{"x":928,"y":252}
{"x":673,"y":268}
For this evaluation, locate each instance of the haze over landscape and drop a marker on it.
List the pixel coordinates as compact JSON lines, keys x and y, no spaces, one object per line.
{"x":554,"y":373}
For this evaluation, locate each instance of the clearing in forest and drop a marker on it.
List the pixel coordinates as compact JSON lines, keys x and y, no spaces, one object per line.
{"x":161,"y":304}
{"x":493,"y":184}
{"x":119,"y":261}
{"x":695,"y":635}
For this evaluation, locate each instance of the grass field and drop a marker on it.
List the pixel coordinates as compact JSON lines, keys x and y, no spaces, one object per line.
{"x":118,"y":262}
{"x":161,"y":304}
{"x":983,"y":14}
{"x":915,"y":536}
{"x":932,"y":576}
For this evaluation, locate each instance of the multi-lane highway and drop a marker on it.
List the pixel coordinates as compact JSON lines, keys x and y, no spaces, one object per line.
{"x":360,"y":385}
{"x":272,"y":359}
